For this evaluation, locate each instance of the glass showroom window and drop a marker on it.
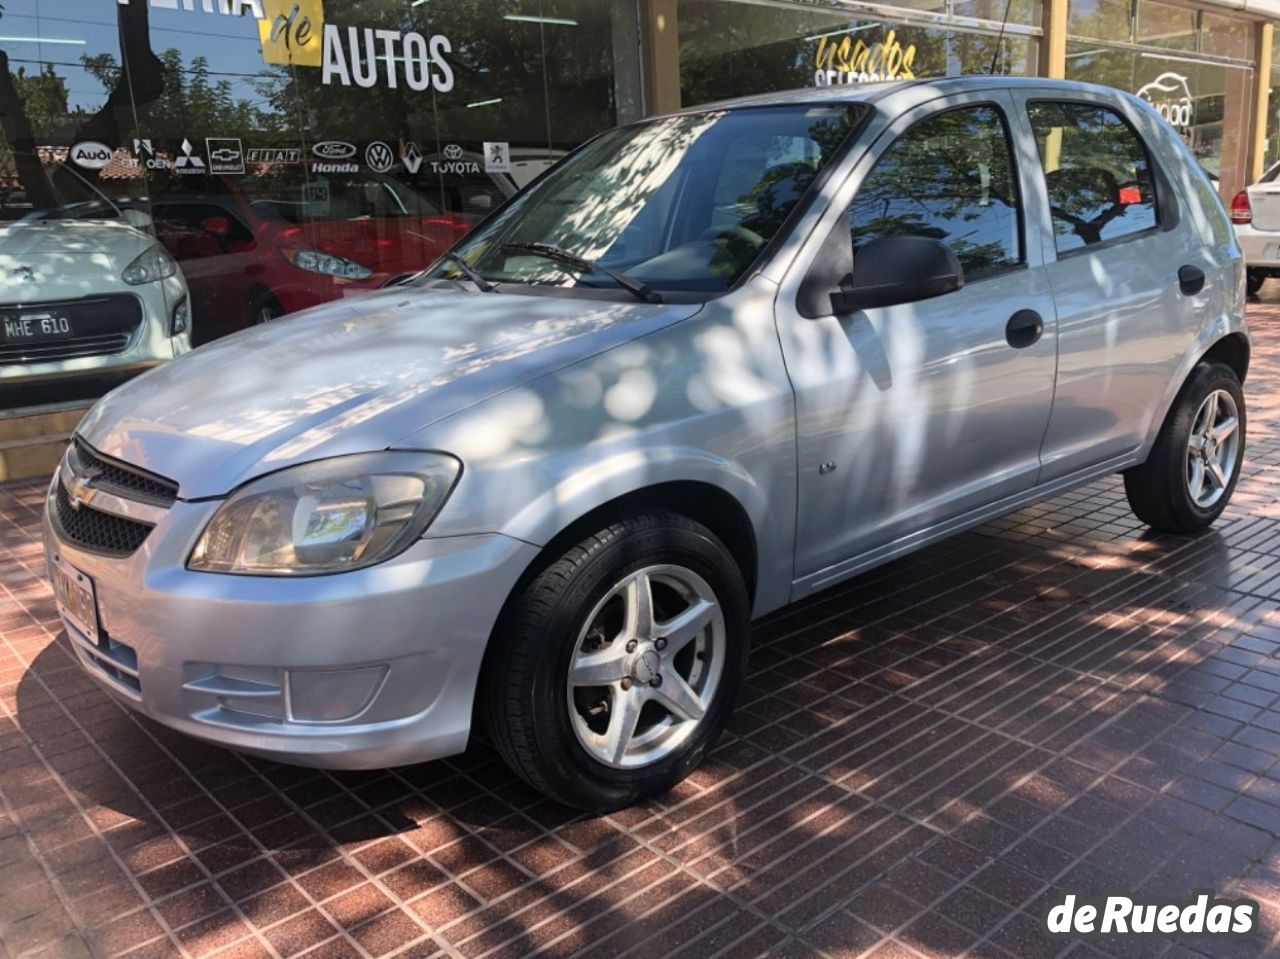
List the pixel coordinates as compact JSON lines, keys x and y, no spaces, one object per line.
{"x":1193,"y":67}
{"x":730,"y":49}
{"x":281,"y":155}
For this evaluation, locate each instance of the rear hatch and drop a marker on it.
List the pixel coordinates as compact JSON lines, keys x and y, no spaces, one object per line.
{"x":1264,"y":199}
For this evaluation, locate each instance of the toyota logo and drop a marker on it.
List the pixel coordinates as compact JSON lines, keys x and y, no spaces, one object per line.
{"x":379,"y":157}
{"x":452,"y":151}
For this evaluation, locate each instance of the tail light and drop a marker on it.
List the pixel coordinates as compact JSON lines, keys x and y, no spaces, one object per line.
{"x":1241,"y":211}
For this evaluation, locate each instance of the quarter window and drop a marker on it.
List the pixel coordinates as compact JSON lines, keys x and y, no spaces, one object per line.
{"x":949,"y":177}
{"x":1097,"y":173}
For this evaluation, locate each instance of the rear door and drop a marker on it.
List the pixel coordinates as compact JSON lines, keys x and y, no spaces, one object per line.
{"x":1116,"y":249}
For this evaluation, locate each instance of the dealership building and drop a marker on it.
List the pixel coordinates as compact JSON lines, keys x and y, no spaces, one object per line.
{"x":290,"y":152}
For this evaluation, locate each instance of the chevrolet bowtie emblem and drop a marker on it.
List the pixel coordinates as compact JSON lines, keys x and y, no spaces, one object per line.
{"x":81,"y":491}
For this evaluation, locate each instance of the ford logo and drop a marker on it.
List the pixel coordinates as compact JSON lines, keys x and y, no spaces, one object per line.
{"x":334,"y":150}
{"x":91,"y":155}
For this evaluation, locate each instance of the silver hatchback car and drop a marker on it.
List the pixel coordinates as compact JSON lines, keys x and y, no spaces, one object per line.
{"x":709,"y":364}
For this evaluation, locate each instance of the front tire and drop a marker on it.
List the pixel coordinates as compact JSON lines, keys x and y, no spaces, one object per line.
{"x":1188,"y":479}
{"x":1253,"y":281}
{"x":617,"y":667}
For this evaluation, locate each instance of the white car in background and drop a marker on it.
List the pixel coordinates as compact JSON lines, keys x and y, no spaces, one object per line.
{"x":1255,"y":211}
{"x":85,"y":289}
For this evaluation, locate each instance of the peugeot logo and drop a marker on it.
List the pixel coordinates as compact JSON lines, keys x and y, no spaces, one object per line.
{"x":334,"y":150}
{"x":452,"y":151}
{"x":24,"y":274}
{"x":81,"y":492}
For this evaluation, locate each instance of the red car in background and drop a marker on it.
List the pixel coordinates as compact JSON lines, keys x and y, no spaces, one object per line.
{"x":269,"y":246}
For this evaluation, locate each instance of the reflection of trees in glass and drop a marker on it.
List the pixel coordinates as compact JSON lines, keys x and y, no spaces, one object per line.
{"x":949,"y":177}
{"x":140,"y":82}
{"x":1090,"y":155}
{"x":730,"y":49}
{"x":189,"y":100}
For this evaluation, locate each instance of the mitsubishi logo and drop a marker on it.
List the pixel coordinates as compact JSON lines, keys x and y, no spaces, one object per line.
{"x":81,"y":492}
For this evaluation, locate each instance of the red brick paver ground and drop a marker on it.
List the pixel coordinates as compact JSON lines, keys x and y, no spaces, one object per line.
{"x":924,"y":759}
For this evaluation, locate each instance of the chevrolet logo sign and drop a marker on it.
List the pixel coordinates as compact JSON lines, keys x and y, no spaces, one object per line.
{"x":81,"y":491}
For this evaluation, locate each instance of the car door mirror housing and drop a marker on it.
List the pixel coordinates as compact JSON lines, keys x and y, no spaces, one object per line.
{"x":892,"y":270}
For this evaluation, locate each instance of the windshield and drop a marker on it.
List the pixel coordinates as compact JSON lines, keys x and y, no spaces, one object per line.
{"x":681,"y":204}
{"x":60,"y":194}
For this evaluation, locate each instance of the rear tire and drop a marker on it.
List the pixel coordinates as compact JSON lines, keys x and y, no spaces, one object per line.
{"x":1253,"y":281}
{"x":1188,"y":479}
{"x":600,"y":698}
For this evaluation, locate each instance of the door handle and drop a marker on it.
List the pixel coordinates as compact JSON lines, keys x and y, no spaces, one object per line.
{"x":1190,"y":280}
{"x":1024,"y":329}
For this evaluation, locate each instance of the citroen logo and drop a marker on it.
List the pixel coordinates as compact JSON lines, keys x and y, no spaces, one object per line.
{"x":23,"y":274}
{"x":81,"y":491}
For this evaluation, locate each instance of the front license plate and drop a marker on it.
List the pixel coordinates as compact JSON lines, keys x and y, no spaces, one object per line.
{"x":73,"y":591}
{"x":19,"y":327}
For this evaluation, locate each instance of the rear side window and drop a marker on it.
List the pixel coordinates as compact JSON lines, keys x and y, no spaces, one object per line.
{"x":1097,"y":172}
{"x":949,"y":177}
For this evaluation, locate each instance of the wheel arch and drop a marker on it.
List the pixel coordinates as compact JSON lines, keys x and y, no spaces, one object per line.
{"x":1233,"y":350}
{"x":700,"y":501}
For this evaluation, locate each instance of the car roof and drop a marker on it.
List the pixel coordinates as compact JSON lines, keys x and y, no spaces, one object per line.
{"x":916,"y":90}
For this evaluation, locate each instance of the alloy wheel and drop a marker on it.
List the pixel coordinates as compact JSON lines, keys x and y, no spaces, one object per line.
{"x":1212,"y":449}
{"x":646,"y":666}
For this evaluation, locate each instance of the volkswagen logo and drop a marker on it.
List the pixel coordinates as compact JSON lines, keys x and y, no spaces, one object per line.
{"x":334,"y":150}
{"x":452,"y":151}
{"x":379,"y":157}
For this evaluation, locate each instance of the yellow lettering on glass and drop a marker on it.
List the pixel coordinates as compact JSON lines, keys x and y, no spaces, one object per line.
{"x":856,"y":61}
{"x":292,"y":32}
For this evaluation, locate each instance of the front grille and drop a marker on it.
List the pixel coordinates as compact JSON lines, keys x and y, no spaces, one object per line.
{"x":132,"y":482}
{"x":95,"y":530}
{"x":100,"y":326}
{"x":71,"y":349}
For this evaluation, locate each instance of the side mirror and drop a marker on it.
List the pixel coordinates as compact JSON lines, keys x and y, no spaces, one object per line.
{"x":898,"y":269}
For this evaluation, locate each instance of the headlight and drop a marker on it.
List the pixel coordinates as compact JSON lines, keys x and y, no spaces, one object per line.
{"x":151,"y":264}
{"x":327,"y":263}
{"x":326,"y":517}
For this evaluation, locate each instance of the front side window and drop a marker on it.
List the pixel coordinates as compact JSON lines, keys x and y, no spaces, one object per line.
{"x":949,"y":177}
{"x":1097,"y":173}
{"x":682,"y":204}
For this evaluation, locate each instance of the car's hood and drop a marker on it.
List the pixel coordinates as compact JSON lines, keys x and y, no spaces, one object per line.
{"x":54,"y":259}
{"x":350,"y":376}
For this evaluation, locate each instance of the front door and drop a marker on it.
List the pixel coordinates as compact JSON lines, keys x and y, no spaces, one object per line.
{"x":913,"y":415}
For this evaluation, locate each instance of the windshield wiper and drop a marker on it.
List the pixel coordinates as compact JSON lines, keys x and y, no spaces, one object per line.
{"x":633,"y":286}
{"x":468,"y":271}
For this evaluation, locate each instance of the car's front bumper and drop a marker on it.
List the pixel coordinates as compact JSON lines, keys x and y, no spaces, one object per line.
{"x":366,"y":669}
{"x":150,"y":345}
